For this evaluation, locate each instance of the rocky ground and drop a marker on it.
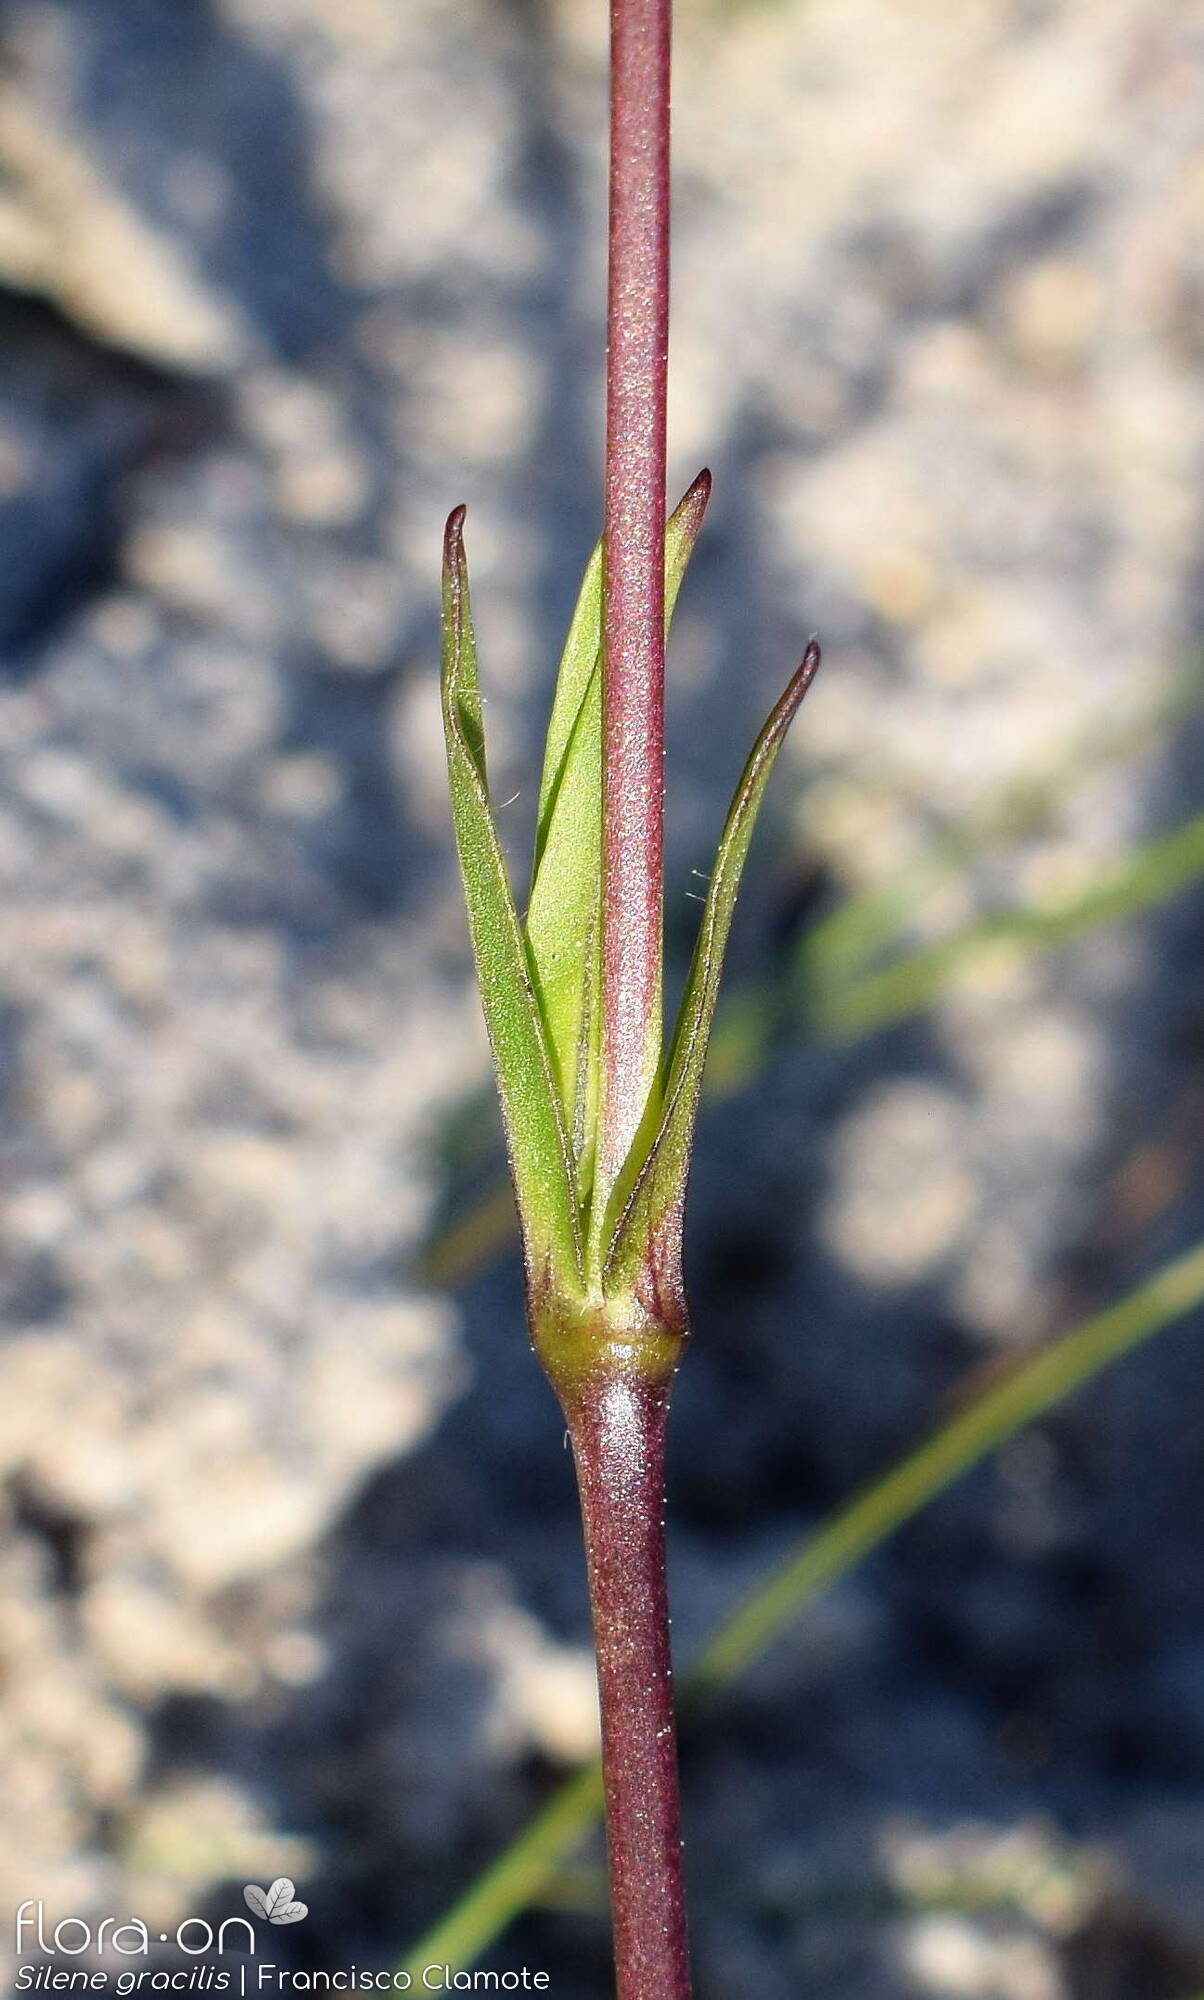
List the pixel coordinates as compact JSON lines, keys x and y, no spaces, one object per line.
{"x":290,"y":1563}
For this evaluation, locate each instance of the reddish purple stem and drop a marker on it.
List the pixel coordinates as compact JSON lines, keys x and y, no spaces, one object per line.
{"x":617,"y":1427}
{"x":634,"y":643}
{"x":616,"y":1414}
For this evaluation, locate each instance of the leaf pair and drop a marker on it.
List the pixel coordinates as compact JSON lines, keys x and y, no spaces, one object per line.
{"x":541,"y":984}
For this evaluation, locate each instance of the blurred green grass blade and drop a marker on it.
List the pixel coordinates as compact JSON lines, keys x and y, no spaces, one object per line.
{"x":1151,"y":875}
{"x":850,"y":937}
{"x":1030,"y":1389}
{"x":476,"y":1234}
{"x":1027,"y":1391}
{"x":535,"y":1136}
{"x":513,"y":1881}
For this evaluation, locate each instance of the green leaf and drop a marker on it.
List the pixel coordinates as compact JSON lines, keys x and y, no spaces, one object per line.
{"x":564,"y":915}
{"x":540,"y":1158}
{"x":563,"y":920}
{"x":578,"y":667}
{"x":650,"y":1194}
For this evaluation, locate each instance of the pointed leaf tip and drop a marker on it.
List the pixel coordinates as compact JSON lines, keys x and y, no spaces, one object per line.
{"x":698,"y":492}
{"x":453,"y":533}
{"x":683,"y":526}
{"x":787,"y":708}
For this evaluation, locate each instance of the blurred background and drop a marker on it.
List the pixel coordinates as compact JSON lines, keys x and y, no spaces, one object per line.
{"x":291,"y":1572}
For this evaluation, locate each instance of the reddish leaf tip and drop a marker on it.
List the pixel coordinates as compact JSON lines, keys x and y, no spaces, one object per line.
{"x":694,"y":500}
{"x":800,"y":681}
{"x":453,"y":534}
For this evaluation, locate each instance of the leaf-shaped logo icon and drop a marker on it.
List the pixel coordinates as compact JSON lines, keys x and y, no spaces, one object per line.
{"x":277,"y":1904}
{"x":279,"y":1897}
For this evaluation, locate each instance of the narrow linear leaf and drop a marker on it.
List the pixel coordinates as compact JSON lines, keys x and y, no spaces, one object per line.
{"x":564,"y":914}
{"x":577,"y":666}
{"x":579,"y":660}
{"x":540,"y":1161}
{"x":1152,"y":874}
{"x":650,"y":1194}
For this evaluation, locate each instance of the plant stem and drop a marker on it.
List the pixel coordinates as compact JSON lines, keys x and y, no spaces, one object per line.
{"x":617,"y":1426}
{"x":637,"y":333}
{"x":616,"y":1411}
{"x":1038,"y":1385}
